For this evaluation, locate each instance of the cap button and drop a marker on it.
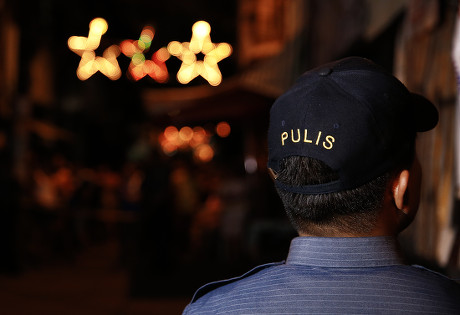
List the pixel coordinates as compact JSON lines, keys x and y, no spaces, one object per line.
{"x":325,"y":71}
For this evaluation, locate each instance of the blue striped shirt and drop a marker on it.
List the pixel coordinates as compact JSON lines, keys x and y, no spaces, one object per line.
{"x":333,"y":276}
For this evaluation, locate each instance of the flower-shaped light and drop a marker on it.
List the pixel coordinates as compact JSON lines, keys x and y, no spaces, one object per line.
{"x":200,"y":43}
{"x":139,"y":66}
{"x":85,"y":47}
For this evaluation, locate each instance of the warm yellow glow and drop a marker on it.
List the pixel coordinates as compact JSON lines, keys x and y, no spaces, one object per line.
{"x":85,"y":47}
{"x":108,"y":64}
{"x":147,"y":35}
{"x":199,"y":137}
{"x":200,"y":43}
{"x":142,"y":46}
{"x":162,"y":54}
{"x":79,"y":44}
{"x":204,"y":153}
{"x":196,"y":140}
{"x":171,"y":133}
{"x":86,"y":68}
{"x":169,"y":140}
{"x":201,"y":29}
{"x":99,"y":26}
{"x":223,"y":129}
{"x":186,"y":134}
{"x":138,"y":59}
{"x":175,"y":48}
{"x":169,"y":148}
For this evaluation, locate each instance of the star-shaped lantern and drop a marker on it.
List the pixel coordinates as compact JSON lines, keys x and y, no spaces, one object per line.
{"x":85,"y":47}
{"x":200,"y":43}
{"x":139,"y":67}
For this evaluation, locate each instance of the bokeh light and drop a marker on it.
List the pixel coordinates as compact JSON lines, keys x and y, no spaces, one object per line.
{"x":223,"y":129}
{"x":200,"y":43}
{"x":140,"y":66}
{"x":186,"y":134}
{"x":195,"y":140}
{"x":85,"y":47}
{"x":199,"y":136}
{"x":171,"y":133}
{"x":204,"y":153}
{"x":250,"y":164}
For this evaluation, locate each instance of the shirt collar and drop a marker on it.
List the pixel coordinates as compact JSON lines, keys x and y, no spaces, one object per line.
{"x":344,"y":252}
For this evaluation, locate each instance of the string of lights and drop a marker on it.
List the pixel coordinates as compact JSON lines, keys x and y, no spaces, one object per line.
{"x":140,"y":66}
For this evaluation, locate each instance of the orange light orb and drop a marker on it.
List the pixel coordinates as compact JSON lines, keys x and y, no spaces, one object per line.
{"x":223,"y":129}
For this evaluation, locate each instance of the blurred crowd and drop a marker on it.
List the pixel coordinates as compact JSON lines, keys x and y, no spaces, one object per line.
{"x":161,"y":214}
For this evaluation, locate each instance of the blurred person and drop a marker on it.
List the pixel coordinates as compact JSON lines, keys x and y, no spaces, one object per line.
{"x":63,"y":178}
{"x":84,"y":204}
{"x":235,"y":209}
{"x":204,"y":228}
{"x":186,"y":203}
{"x":53,"y":227}
{"x":43,"y":230}
{"x":131,"y":188}
{"x":45,"y":190}
{"x":110,"y":182}
{"x":342,"y":155}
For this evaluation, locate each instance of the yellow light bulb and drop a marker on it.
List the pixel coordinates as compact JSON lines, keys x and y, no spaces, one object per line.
{"x":99,"y":26}
{"x":201,"y":29}
{"x":174,"y":48}
{"x":85,"y":47}
{"x":199,"y":43}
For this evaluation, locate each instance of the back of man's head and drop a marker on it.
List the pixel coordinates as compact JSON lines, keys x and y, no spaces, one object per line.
{"x":336,"y":140}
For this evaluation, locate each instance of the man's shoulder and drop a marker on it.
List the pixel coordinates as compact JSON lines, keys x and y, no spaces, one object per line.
{"x":213,"y":286}
{"x":276,"y":286}
{"x":415,"y":281}
{"x":436,"y":276}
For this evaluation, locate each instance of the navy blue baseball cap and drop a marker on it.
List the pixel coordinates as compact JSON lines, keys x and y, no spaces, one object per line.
{"x":350,"y":114}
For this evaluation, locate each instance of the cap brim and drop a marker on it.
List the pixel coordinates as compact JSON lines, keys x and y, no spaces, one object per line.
{"x":425,"y":113}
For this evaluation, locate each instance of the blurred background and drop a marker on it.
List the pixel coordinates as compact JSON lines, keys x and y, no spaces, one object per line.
{"x":133,"y":140}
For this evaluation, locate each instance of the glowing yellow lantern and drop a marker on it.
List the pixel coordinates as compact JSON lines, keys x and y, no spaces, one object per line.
{"x":85,"y":47}
{"x":200,"y":43}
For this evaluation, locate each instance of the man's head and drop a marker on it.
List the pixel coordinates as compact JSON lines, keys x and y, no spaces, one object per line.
{"x":338,"y":140}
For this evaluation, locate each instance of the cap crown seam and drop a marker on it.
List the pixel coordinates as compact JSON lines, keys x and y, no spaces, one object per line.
{"x":369,"y":110}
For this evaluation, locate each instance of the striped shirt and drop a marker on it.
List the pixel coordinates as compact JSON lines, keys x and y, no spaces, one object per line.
{"x":333,"y":276}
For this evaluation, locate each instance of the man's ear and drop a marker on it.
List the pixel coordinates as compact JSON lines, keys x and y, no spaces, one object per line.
{"x":400,"y":190}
